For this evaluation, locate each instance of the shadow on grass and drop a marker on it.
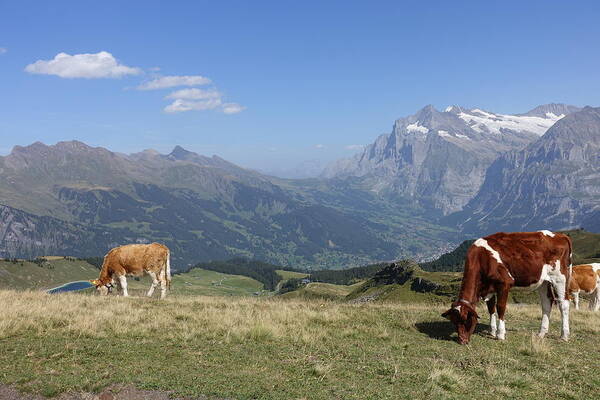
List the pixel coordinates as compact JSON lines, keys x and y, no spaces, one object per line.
{"x":443,"y":330}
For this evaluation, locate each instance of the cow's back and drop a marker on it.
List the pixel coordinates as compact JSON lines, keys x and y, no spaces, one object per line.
{"x":526,"y":253}
{"x":584,"y":277}
{"x":138,"y":257}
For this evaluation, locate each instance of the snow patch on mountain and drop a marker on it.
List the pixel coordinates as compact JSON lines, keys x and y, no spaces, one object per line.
{"x":417,"y":128}
{"x":483,"y":121}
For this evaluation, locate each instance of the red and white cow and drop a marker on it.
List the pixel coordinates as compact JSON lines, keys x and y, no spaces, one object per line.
{"x":135,"y":260}
{"x":496,"y":263}
{"x":586,"y":277}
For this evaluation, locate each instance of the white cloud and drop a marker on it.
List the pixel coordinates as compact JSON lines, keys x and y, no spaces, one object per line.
{"x":232,"y":108}
{"x":165,"y":82}
{"x":194,"y":94}
{"x":3,"y":50}
{"x":319,"y":146}
{"x":181,"y":105}
{"x":200,"y":100}
{"x":355,"y":147}
{"x":99,"y":65}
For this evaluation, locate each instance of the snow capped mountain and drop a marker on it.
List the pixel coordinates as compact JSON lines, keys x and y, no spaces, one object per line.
{"x":551,"y":183}
{"x":439,"y":158}
{"x":487,"y":122}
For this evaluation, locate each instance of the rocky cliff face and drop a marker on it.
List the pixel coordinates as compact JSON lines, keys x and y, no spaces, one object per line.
{"x":439,"y":159}
{"x":26,"y":235}
{"x":553,"y":183}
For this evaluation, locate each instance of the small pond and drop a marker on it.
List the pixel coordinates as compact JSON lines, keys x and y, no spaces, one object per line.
{"x":71,"y":286}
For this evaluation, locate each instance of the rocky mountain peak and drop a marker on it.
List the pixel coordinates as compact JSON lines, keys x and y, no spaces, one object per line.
{"x":550,"y":184}
{"x":179,"y":153}
{"x":579,"y":130}
{"x":439,"y":159}
{"x":556,"y":109}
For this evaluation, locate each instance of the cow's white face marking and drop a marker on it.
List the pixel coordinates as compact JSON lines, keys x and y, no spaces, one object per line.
{"x":595,"y":267}
{"x":483,"y":243}
{"x":547,"y":233}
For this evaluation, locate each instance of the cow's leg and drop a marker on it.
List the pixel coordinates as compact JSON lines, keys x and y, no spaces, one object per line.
{"x":502,"y":299}
{"x":154,"y":283}
{"x":576,"y":299}
{"x":491,"y":306}
{"x":546,"y":308}
{"x":123,"y":282}
{"x":559,"y":284}
{"x":595,"y":300}
{"x":163,"y":284}
{"x":117,"y":284}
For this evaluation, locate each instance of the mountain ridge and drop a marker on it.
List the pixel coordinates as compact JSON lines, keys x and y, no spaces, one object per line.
{"x":552,"y":182}
{"x":438,"y":159}
{"x":202,"y":208}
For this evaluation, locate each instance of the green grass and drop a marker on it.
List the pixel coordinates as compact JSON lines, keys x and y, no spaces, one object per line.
{"x":201,"y":282}
{"x":586,"y":246}
{"x":266,"y":348}
{"x":318,"y":290}
{"x":285,"y":275}
{"x":210,"y":283}
{"x":55,"y":271}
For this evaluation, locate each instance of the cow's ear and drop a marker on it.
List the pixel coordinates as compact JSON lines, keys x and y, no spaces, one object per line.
{"x":447,"y":314}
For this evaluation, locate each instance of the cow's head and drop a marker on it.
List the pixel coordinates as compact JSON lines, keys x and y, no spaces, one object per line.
{"x":464,"y":317}
{"x":101,"y":288}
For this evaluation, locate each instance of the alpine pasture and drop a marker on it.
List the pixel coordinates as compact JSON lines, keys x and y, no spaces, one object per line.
{"x":273,"y":348}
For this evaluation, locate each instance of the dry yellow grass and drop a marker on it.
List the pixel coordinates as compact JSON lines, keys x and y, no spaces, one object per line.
{"x":267,"y":348}
{"x":187,"y":316}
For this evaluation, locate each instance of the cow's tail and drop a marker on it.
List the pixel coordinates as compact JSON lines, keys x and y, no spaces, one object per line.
{"x":569,"y":268}
{"x":168,"y":269}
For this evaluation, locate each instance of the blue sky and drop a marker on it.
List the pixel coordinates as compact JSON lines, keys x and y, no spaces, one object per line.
{"x":299,"y":80}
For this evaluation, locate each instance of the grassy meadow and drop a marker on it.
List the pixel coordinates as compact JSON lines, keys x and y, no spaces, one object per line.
{"x":48,"y":273}
{"x":55,"y":271}
{"x":273,"y":348}
{"x":202,"y":282}
{"x":319,"y":290}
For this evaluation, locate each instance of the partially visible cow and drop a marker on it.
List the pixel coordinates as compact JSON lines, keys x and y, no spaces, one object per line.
{"x":586,"y":278}
{"x":496,"y":263}
{"x":135,"y":260}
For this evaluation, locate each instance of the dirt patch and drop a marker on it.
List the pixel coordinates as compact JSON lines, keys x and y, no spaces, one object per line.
{"x":117,"y":392}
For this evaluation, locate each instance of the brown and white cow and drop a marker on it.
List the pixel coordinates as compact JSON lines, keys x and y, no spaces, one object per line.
{"x":586,"y":278}
{"x":135,"y":260}
{"x":496,"y":263}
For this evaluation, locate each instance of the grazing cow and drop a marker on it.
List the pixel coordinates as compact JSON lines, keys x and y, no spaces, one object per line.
{"x":496,"y":263}
{"x":135,"y":260}
{"x":587,"y":278}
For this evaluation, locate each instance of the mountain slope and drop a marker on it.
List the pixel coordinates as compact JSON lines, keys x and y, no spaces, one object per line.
{"x":553,"y":183}
{"x":44,"y":273}
{"x":71,"y":198}
{"x":439,"y":159}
